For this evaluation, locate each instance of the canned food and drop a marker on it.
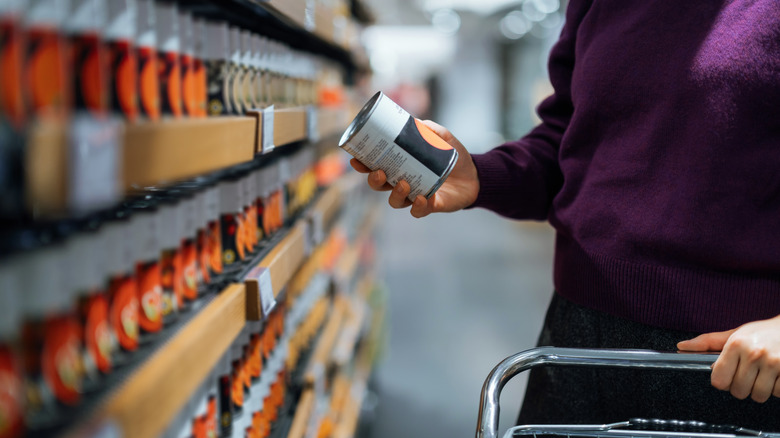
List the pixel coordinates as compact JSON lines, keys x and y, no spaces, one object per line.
{"x":384,"y":136}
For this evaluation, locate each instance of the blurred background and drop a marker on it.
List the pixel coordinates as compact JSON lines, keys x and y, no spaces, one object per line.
{"x":465,"y":290}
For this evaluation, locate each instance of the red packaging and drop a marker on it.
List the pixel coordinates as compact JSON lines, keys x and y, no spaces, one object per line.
{"x":168,"y":59}
{"x":189,"y":96}
{"x":46,"y":68}
{"x":146,"y":51}
{"x":12,"y":47}
{"x":88,"y":55}
{"x":120,"y":36}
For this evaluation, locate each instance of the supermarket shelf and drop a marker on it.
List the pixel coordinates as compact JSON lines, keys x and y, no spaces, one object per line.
{"x":302,"y":415}
{"x":348,"y":420}
{"x":46,"y":177}
{"x":319,"y":360}
{"x":289,"y":125}
{"x":177,"y":149}
{"x":331,"y":122}
{"x":344,"y":348}
{"x":147,"y":402}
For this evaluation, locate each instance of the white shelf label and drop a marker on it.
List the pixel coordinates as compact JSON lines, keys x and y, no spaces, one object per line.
{"x":312,"y":127}
{"x":268,"y":129}
{"x":94,"y":163}
{"x":263,"y":277}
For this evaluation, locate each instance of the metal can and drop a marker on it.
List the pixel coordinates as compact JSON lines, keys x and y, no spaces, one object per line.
{"x":384,"y":136}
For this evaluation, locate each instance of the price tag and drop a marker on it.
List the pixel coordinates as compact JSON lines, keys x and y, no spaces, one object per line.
{"x":94,"y":163}
{"x":263,"y":277}
{"x":268,"y":129}
{"x":312,"y":127}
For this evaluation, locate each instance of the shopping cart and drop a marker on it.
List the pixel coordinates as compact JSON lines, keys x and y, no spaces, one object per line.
{"x":487,"y":422}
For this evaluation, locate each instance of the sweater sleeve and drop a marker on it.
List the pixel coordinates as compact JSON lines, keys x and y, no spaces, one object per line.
{"x":519,"y":179}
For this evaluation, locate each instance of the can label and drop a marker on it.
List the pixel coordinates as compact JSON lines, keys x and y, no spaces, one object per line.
{"x":11,"y":395}
{"x":203,"y":254}
{"x":170,"y":271}
{"x":235,"y":82}
{"x":123,"y":313}
{"x":384,"y":136}
{"x":46,"y":72}
{"x":89,"y":82}
{"x":11,"y":97}
{"x":123,"y":79}
{"x":61,"y":363}
{"x":169,"y":69}
{"x":98,"y":342}
{"x":232,"y":239}
{"x":214,"y":239}
{"x":218,"y":87}
{"x":150,"y":297}
{"x":201,"y":93}
{"x":148,"y":83}
{"x":225,"y":405}
{"x":188,"y":89}
{"x":189,"y":258}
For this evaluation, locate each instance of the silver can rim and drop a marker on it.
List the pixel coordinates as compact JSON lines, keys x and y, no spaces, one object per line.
{"x":360,"y":119}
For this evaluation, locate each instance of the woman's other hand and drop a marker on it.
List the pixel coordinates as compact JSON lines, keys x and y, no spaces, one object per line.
{"x":458,"y":191}
{"x":749,"y":362}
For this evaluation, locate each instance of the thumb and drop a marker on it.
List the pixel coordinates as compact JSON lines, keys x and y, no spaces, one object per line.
{"x":706,"y":342}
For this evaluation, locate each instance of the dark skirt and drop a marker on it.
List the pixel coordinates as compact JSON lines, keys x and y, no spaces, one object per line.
{"x":584,"y":395}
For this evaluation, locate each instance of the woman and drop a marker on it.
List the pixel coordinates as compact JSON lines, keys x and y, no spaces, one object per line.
{"x":658,"y":163}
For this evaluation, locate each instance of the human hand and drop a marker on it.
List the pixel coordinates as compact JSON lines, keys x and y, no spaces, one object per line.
{"x":749,"y":362}
{"x":459,"y":190}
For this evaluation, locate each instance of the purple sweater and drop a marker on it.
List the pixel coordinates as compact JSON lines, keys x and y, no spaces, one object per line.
{"x":657,"y":161}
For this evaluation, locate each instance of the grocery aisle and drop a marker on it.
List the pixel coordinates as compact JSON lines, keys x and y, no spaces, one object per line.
{"x":465,"y":290}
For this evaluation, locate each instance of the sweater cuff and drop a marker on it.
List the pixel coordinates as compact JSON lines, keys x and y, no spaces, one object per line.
{"x":492,"y":185}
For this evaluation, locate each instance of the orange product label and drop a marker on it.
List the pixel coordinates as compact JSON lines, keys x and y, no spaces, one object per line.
{"x":201,"y":92}
{"x":198,"y":427}
{"x":215,"y":246}
{"x":188,"y":92}
{"x":241,"y":236}
{"x":189,"y":267}
{"x":46,"y":72}
{"x":150,"y":297}
{"x":211,"y":418}
{"x":97,"y":331}
{"x":123,"y":79}
{"x":246,"y":372}
{"x":60,"y":361}
{"x":148,"y":83}
{"x":123,"y":312}
{"x":172,"y":284}
{"x":237,"y":388}
{"x":89,"y":60}
{"x":11,"y":97}
{"x":431,"y":137}
{"x":256,"y":362}
{"x":11,"y":395}
{"x":204,"y":256}
{"x":259,"y":211}
{"x":169,"y":74}
{"x":249,"y":228}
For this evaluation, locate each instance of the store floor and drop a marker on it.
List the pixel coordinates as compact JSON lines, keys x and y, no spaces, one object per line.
{"x":465,"y":290}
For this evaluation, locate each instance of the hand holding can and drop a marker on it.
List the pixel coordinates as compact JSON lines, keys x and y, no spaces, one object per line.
{"x":420,"y":162}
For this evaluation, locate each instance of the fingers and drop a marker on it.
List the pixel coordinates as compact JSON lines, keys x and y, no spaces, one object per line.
{"x":764,"y":385}
{"x":706,"y":342}
{"x":378,"y":181}
{"x":724,"y":368}
{"x":398,"y":197}
{"x":744,"y":379}
{"x":441,"y":131}
{"x":422,"y":207}
{"x":360,"y":167}
{"x":776,"y":391}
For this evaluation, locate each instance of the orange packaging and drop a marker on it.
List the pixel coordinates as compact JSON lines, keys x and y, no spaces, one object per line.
{"x":88,"y":55}
{"x":12,"y":46}
{"x":46,"y":68}
{"x":191,"y":278}
{"x":231,"y":223}
{"x":123,"y":302}
{"x":211,"y":414}
{"x":189,"y":96}
{"x":12,"y":405}
{"x":168,"y":59}
{"x":171,"y":259}
{"x":51,"y":339}
{"x":199,"y":67}
{"x":119,"y":36}
{"x":213,"y":231}
{"x":145,"y":225}
{"x":146,"y":52}
{"x":236,"y":378}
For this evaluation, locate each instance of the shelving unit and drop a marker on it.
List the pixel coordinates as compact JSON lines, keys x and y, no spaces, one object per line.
{"x":144,"y":398}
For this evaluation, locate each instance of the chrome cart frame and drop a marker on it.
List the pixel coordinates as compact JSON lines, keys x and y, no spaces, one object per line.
{"x":487,"y":421}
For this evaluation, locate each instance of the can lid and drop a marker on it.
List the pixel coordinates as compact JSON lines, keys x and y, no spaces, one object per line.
{"x":146,"y":24}
{"x":10,"y":299}
{"x":169,"y":226}
{"x":86,"y":16}
{"x":122,"y":20}
{"x":217,"y":41}
{"x":167,"y":25}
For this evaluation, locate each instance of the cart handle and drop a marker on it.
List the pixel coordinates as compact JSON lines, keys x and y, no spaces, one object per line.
{"x":487,"y":421}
